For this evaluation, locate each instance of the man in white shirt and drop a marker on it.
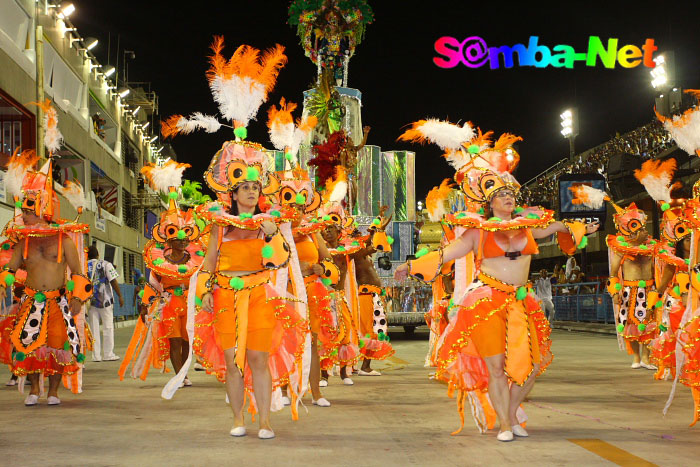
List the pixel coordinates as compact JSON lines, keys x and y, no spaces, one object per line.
{"x":104,"y":280}
{"x":543,"y":289}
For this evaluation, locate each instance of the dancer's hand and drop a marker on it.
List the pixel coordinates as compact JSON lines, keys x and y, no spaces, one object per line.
{"x":592,"y":227}
{"x":268,"y":227}
{"x":401,"y":272}
{"x":208,"y":302}
{"x":317,"y":269}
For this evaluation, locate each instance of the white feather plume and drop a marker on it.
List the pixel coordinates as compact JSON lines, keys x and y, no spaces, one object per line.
{"x":686,"y":136}
{"x":448,"y":136}
{"x":282,"y":135}
{"x":589,"y":196}
{"x":339,"y":191}
{"x":53,"y":139}
{"x":239,"y":98}
{"x":161,"y":178}
{"x":196,"y":121}
{"x":74,"y":193}
{"x":17,"y":169}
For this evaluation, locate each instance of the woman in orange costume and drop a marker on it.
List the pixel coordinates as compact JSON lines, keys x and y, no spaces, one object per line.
{"x":244,"y":330}
{"x":173,"y":255}
{"x":497,"y":341}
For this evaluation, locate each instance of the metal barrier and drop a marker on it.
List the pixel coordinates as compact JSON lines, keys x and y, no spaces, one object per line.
{"x":575,"y":302}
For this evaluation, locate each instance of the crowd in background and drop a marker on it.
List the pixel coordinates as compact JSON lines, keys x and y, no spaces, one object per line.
{"x":646,"y":142}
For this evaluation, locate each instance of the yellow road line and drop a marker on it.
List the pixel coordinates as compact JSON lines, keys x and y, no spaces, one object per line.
{"x":612,"y":453}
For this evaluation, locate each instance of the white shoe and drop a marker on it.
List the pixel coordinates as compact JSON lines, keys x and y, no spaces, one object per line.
{"x":32,"y":399}
{"x":322,"y":402}
{"x":636,"y":365}
{"x":348,"y":382}
{"x":187,"y":382}
{"x":505,"y":436}
{"x":519,"y":431}
{"x":323,"y":383}
{"x":11,"y":382}
{"x":266,"y":434}
{"x":286,"y":401}
{"x":649,"y":366}
{"x":369,"y":373}
{"x":53,"y":400}
{"x":112,"y":358}
{"x":238,"y":431}
{"x":96,"y":359}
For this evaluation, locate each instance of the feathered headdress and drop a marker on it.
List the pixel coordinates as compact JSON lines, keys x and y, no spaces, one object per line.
{"x":333,"y":196}
{"x":436,"y":200}
{"x":483,"y":168}
{"x":53,"y":139}
{"x":174,"y":224}
{"x":685,"y":128}
{"x":284,"y":134}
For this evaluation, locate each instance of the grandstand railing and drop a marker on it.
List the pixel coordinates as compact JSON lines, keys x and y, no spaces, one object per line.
{"x":575,"y":302}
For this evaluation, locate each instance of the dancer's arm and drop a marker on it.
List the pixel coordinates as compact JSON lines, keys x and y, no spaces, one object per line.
{"x":209,"y":265}
{"x":559,"y":226}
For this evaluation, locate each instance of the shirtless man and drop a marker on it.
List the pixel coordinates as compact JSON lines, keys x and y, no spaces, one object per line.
{"x":45,"y":273}
{"x":366,"y":274}
{"x":637,"y":268}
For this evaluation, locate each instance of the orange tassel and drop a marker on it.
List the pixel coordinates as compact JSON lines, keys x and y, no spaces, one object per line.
{"x":460,"y":407}
{"x":696,"y":403}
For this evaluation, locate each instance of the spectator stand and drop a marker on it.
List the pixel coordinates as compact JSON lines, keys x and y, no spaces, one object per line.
{"x":582,"y":302}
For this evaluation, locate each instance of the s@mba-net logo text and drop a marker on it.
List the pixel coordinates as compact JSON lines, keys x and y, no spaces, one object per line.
{"x":473,"y":52}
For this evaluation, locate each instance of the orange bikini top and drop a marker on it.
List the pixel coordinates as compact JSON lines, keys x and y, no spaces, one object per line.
{"x":307,"y":251}
{"x":241,"y":255}
{"x":492,"y":249}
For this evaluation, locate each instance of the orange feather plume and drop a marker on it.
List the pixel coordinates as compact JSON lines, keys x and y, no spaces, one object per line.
{"x":283,"y":115}
{"x":656,"y":177}
{"x":435,"y":201}
{"x":169,"y":128}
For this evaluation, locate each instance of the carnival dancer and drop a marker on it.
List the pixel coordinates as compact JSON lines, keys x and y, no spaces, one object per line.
{"x":244,"y":327}
{"x":173,"y":255}
{"x":685,"y":130}
{"x":631,"y":284}
{"x":497,"y":336}
{"x":671,"y":263}
{"x":47,"y":337}
{"x":319,"y":272}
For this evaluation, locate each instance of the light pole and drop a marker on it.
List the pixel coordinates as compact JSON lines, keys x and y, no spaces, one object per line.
{"x":569,"y":124}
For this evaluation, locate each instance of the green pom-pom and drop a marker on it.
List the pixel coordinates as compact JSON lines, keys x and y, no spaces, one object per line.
{"x":521,"y":293}
{"x":620,"y":238}
{"x":618,"y":286}
{"x":659,"y":304}
{"x":6,"y":246}
{"x":201,"y":224}
{"x":81,"y":358}
{"x":643,"y":247}
{"x":451,"y":303}
{"x":182,"y":269}
{"x":70,"y":285}
{"x":422,"y":252}
{"x":663,"y":328}
{"x":665,"y":207}
{"x":181,"y":235}
{"x":583,"y":244}
{"x":158,"y":261}
{"x":652,"y":242}
{"x":214,"y":208}
{"x":663,"y":251}
{"x":20,"y":356}
{"x":341,"y":248}
{"x":246,"y":215}
{"x":327,"y":282}
{"x":518,"y":210}
{"x":10,"y":279}
{"x":199,"y":253}
{"x":641,"y":327}
{"x":335,"y":352}
{"x":677,"y":290}
{"x":314,"y":221}
{"x":197,"y":301}
{"x":495,"y":219}
{"x":461,"y":215}
{"x":252,"y":174}
{"x":390,"y":239}
{"x":300,"y":199}
{"x":326,"y":218}
{"x":276,"y":213}
{"x":66,"y":345}
{"x":687,"y":261}
{"x":624,"y":244}
{"x":178,"y":291}
{"x":387,"y":338}
{"x":141,"y":292}
{"x":55,"y":225}
{"x":473,"y":149}
{"x":355,"y":243}
{"x":383,"y":292}
{"x":376,"y":222}
{"x":159,"y":246}
{"x":267,"y":251}
{"x":362,"y":343}
{"x":40,"y":297}
{"x":620,"y":327}
{"x":642,"y":284}
{"x":237,"y":283}
{"x":289,"y":156}
{"x":368,"y":336}
{"x":481,"y":212}
{"x":172,"y":195}
{"x":532,"y":215}
{"x":241,"y":132}
{"x":18,"y":204}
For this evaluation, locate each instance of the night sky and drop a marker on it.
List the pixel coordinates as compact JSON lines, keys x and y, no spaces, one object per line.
{"x":393,"y":68}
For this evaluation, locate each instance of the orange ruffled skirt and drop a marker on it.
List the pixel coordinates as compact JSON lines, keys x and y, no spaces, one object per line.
{"x":320,"y":306}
